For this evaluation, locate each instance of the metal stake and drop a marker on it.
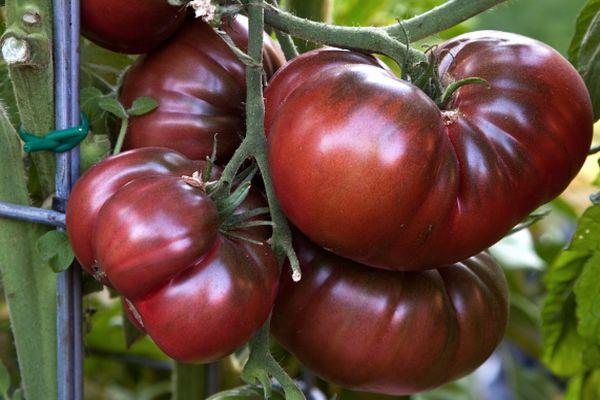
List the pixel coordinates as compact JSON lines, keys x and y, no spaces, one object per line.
{"x":66,"y":67}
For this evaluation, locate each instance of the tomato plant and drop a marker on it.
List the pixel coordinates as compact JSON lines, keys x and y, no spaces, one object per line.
{"x":132,"y":26}
{"x":200,"y":87}
{"x":387,"y":331}
{"x":141,"y":228}
{"x":369,"y":166}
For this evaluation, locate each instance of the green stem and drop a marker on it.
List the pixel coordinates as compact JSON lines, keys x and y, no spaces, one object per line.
{"x":32,"y":75}
{"x":28,"y":283}
{"x":454,"y":86}
{"x":386,"y":40}
{"x":440,"y":18}
{"x":314,"y":10}
{"x":261,"y":365}
{"x":255,"y":144}
{"x":368,"y":39}
{"x":188,"y":382}
{"x":121,"y":137}
{"x":287,"y":43}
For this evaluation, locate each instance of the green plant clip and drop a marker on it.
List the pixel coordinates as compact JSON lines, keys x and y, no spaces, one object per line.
{"x":58,"y":141}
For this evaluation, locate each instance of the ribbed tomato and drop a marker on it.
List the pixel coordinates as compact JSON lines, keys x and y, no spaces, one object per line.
{"x":388,"y":331}
{"x":129,"y":26}
{"x":368,"y":166}
{"x":137,"y":225}
{"x":199,"y":84}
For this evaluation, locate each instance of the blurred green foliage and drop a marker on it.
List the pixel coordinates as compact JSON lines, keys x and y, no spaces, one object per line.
{"x":551,"y":21}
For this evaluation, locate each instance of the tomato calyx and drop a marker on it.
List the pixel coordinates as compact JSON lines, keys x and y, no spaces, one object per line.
{"x":427,"y":79}
{"x":449,"y":91}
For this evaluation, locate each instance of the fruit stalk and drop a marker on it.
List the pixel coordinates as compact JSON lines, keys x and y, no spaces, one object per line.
{"x":388,"y":40}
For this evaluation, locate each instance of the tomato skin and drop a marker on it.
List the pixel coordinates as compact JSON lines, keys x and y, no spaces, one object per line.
{"x":132,"y":26}
{"x":101,"y":182}
{"x":387,"y":331}
{"x":156,"y":240}
{"x":234,"y":289}
{"x":369,"y":167}
{"x":157,"y":224}
{"x":199,"y":84}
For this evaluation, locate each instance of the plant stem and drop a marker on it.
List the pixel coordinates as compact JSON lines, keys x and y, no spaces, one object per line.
{"x":28,"y":282}
{"x":386,"y":40}
{"x":121,"y":137}
{"x":188,"y":382}
{"x":368,"y":39}
{"x":32,"y":76}
{"x":255,"y":143}
{"x":440,"y":18}
{"x":287,"y":43}
{"x":314,"y":10}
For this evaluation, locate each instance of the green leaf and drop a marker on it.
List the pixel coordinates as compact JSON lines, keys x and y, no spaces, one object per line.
{"x":584,"y":51}
{"x":587,"y":294}
{"x":4,"y":379}
{"x":589,"y":11}
{"x":245,"y":393}
{"x":570,"y":316}
{"x":113,"y":106}
{"x":562,"y":345}
{"x":55,"y":248}
{"x":142,"y":105}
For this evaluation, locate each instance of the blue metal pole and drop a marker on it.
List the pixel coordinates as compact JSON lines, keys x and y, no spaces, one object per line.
{"x":66,"y":66}
{"x":32,"y":214}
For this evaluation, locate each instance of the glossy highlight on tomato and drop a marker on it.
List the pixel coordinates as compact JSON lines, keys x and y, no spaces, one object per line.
{"x":369,"y":167}
{"x":200,"y":85}
{"x":130,"y":26}
{"x":388,"y":331}
{"x":137,"y":226}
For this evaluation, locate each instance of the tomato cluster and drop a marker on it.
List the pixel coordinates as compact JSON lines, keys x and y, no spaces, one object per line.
{"x":397,"y":196}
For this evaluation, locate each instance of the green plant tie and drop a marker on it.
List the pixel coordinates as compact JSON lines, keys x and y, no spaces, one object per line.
{"x":57,"y":141}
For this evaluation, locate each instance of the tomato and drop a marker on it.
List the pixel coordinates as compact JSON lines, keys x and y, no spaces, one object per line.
{"x":391,"y":332}
{"x":138,"y":226}
{"x":132,"y":26}
{"x":201,"y":88}
{"x":368,"y":166}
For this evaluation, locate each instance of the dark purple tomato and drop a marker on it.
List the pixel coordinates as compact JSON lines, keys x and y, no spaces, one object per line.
{"x":137,"y":226}
{"x":200,"y":86}
{"x":369,"y":167}
{"x":129,"y":26}
{"x":390,"y":332}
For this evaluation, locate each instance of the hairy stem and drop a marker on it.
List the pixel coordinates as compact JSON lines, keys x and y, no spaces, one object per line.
{"x":287,"y":43}
{"x":386,"y":40}
{"x":28,"y":283}
{"x":32,"y":76}
{"x":254,"y":144}
{"x":314,"y":10}
{"x":368,"y":39}
{"x":440,"y":18}
{"x":121,"y":137}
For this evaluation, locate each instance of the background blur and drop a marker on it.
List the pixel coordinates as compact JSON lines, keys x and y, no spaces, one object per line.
{"x":514,"y":372}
